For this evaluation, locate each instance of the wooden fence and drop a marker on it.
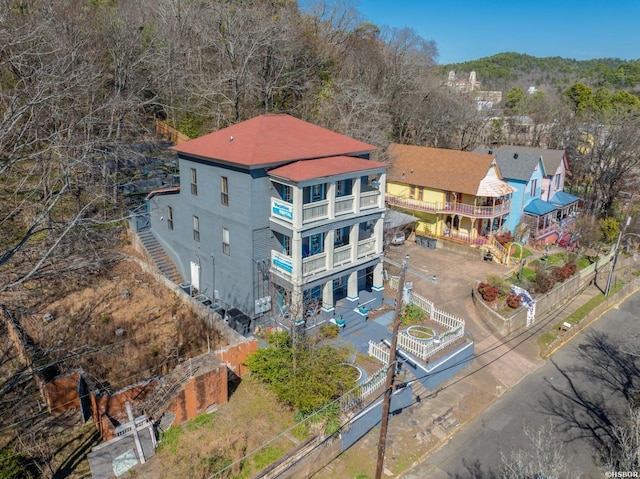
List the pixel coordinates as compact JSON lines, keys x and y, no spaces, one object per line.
{"x":168,"y":132}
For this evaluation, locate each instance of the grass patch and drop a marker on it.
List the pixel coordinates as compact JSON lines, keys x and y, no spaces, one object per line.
{"x":547,"y":338}
{"x":170,"y":439}
{"x":517,"y":249}
{"x":267,"y":456}
{"x":203,"y":420}
{"x":582,"y":262}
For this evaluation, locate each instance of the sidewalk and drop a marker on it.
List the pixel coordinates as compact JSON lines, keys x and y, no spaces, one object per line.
{"x":499,"y":364}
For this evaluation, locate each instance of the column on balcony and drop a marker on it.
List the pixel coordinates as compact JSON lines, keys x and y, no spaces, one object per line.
{"x":357,"y":184}
{"x":329,"y":244}
{"x":296,"y":257}
{"x":382,"y":180}
{"x":354,"y":237}
{"x":331,"y":197}
{"x":298,"y":200}
{"x":378,"y":234}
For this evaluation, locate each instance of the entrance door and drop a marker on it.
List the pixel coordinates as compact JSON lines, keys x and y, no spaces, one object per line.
{"x":195,"y":275}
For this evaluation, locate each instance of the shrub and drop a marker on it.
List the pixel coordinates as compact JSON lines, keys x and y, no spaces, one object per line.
{"x":544,"y":281}
{"x":487,"y":292}
{"x":514,"y":300}
{"x":412,"y":314}
{"x":499,"y":282}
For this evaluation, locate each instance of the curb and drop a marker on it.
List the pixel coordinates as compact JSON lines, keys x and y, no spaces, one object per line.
{"x":448,"y":437}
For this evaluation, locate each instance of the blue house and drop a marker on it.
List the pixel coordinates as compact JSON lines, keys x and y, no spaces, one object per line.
{"x":524,"y":170}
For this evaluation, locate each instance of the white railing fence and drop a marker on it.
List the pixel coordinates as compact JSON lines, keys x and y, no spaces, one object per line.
{"x":355,"y":399}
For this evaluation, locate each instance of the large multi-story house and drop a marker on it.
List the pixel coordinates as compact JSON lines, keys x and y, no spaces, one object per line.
{"x":539,"y":202}
{"x":273,"y":213}
{"x":455,"y":195}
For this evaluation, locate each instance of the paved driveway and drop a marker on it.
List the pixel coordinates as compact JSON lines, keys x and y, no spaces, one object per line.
{"x":456,"y":275}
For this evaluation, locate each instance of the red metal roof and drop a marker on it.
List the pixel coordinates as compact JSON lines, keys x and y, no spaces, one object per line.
{"x":271,"y":139}
{"x":323,"y":167}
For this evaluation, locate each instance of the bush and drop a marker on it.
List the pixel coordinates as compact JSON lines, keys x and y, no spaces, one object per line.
{"x":487,"y":292}
{"x":514,"y":300}
{"x":412,"y":314}
{"x":544,"y":281}
{"x":499,"y":282}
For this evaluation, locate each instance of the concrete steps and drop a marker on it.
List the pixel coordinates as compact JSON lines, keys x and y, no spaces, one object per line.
{"x":160,"y":258}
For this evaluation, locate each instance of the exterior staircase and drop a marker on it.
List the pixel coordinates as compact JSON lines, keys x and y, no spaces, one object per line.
{"x":160,"y":258}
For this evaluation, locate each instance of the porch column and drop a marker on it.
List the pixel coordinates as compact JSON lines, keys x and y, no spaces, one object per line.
{"x":378,"y":285}
{"x":328,"y":309}
{"x":352,"y":287}
{"x":297,"y":304}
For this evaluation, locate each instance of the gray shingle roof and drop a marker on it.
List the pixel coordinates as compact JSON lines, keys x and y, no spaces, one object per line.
{"x":514,"y":165}
{"x":551,"y":158}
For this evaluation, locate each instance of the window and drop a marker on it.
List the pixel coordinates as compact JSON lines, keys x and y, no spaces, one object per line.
{"x":224,"y":191}
{"x":317,"y":192}
{"x":226,"y":245}
{"x":286,"y":245}
{"x":196,"y":228}
{"x":194,"y":182}
{"x":558,"y":178}
{"x":340,"y":188}
{"x":170,"y":217}
{"x":287,"y":194}
{"x":534,"y":186}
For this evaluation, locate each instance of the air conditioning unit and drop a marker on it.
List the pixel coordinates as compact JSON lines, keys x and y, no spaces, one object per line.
{"x":203,"y":299}
{"x":186,"y":287}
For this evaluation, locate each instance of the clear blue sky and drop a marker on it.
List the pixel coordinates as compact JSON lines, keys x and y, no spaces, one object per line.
{"x":467,"y":30}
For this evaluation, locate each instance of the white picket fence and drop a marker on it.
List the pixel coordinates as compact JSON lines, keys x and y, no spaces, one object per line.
{"x":379,"y":351}
{"x":425,"y":349}
{"x":356,"y":399}
{"x":453,"y":327}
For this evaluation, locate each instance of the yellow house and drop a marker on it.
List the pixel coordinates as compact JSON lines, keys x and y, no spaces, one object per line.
{"x":456,"y":195}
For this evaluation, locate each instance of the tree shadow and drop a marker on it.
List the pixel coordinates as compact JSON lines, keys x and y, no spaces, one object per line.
{"x":593,"y":397}
{"x":474,"y":470}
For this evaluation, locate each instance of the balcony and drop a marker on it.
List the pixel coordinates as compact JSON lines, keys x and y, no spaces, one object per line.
{"x":344,"y":205}
{"x":366,"y":248}
{"x":471,"y":211}
{"x":318,"y":210}
{"x":314,"y":264}
{"x":341,"y":255}
{"x":369,"y":199}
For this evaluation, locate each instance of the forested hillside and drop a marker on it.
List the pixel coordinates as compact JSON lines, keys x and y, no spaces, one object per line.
{"x":504,"y":70}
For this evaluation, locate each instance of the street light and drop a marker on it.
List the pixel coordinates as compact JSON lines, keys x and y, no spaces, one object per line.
{"x":615,"y":256}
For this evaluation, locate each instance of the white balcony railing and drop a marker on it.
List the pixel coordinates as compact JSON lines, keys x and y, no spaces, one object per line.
{"x":341,"y":255}
{"x":314,"y":264}
{"x":315,"y":211}
{"x":344,"y":204}
{"x":369,"y":199}
{"x":366,"y":247}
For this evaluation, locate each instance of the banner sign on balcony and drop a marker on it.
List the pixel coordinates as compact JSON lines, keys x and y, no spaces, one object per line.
{"x":282,"y":262}
{"x":282,"y":209}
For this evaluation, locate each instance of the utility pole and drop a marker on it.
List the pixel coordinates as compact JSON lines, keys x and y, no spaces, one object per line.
{"x":386,"y":405}
{"x":615,"y":257}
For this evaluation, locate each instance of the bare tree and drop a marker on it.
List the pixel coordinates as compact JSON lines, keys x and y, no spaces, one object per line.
{"x":542,"y":456}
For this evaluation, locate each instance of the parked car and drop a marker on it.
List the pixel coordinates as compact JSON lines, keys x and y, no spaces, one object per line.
{"x":398,"y":238}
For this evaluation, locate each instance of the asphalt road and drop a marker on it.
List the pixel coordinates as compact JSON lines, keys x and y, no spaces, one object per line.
{"x":475,"y":451}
